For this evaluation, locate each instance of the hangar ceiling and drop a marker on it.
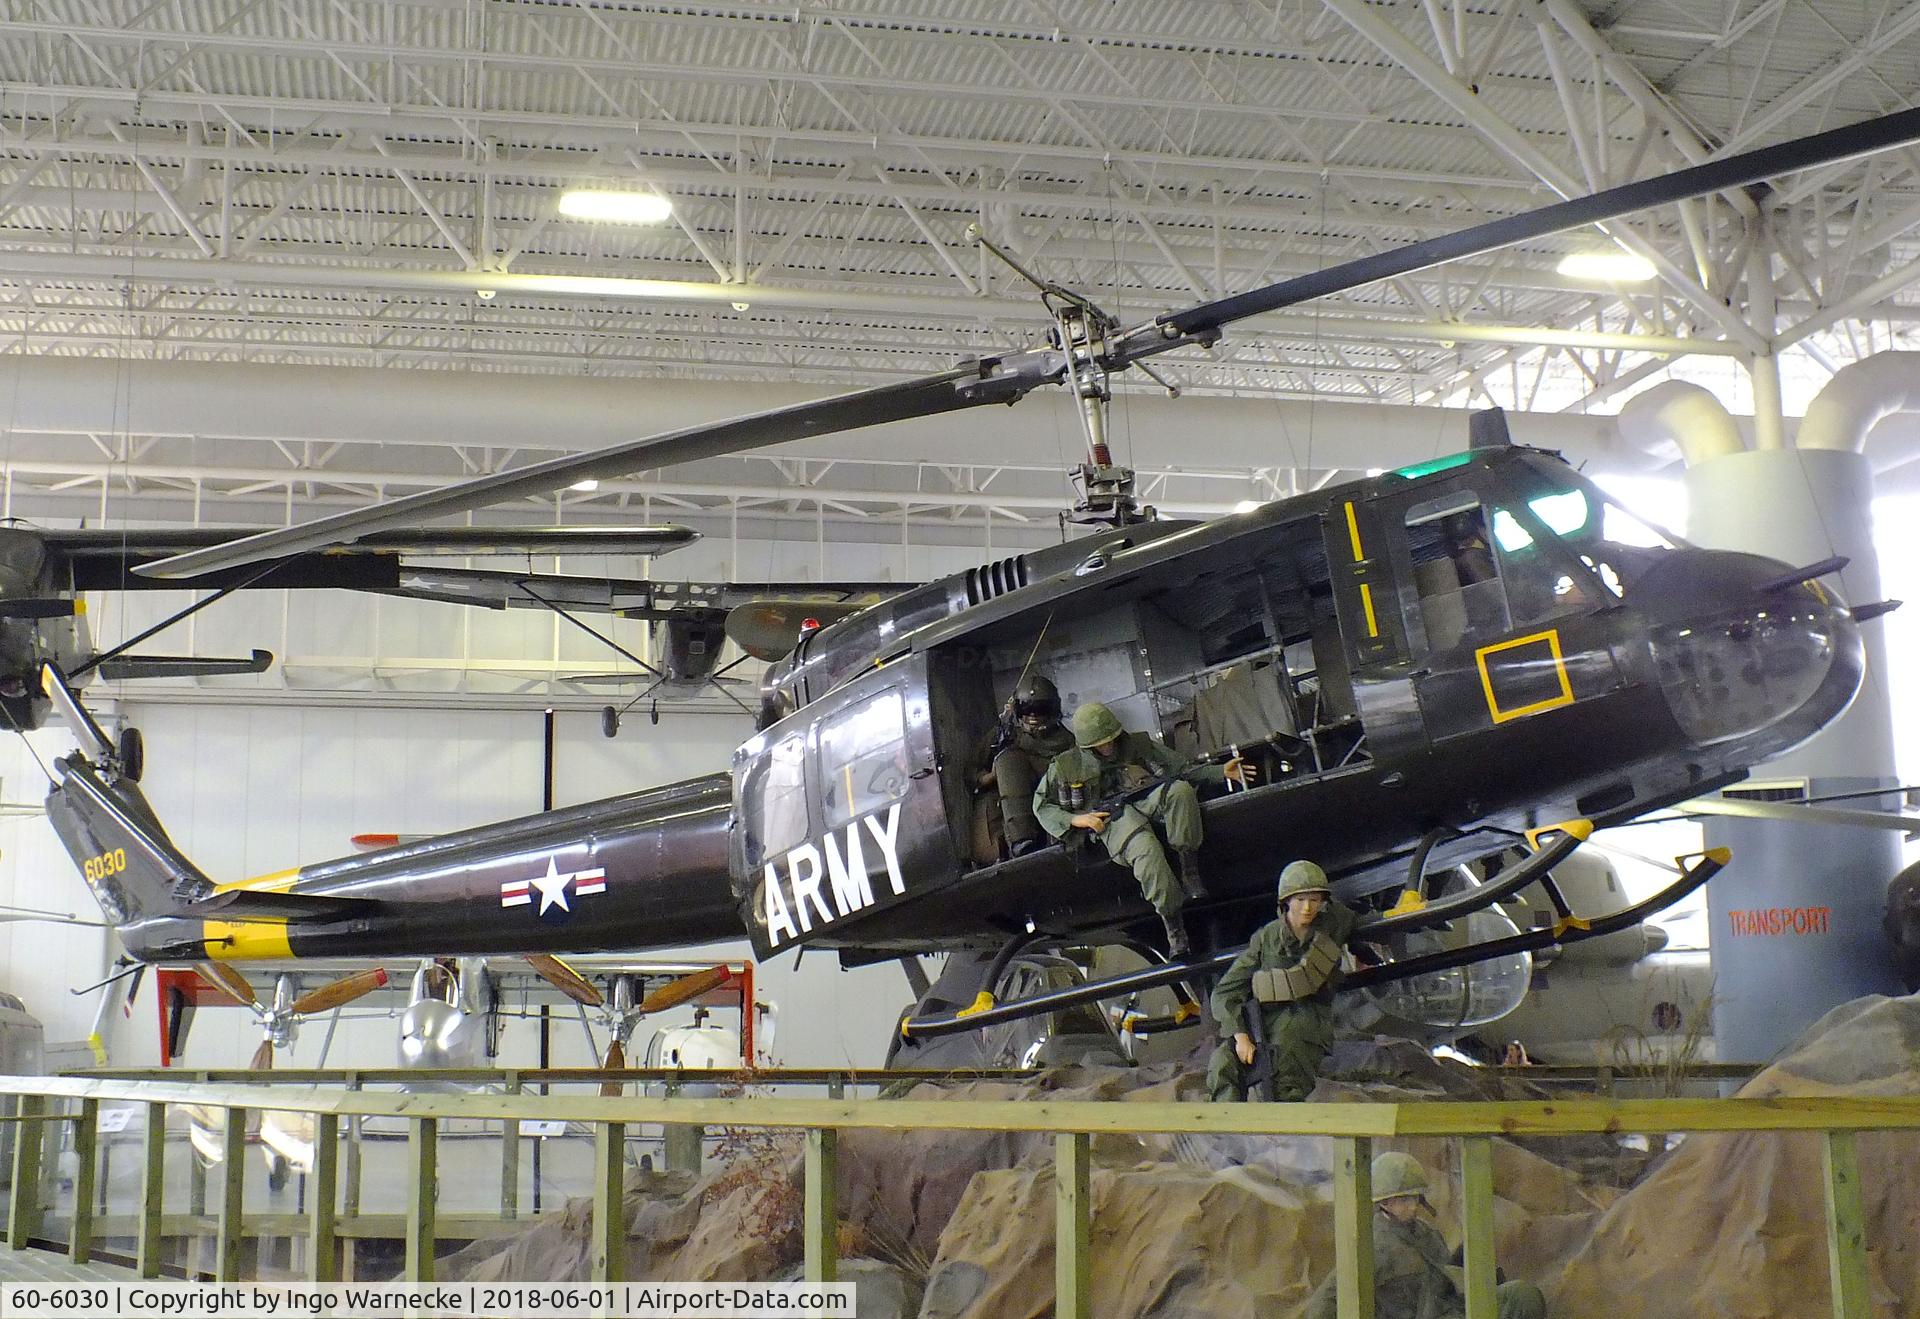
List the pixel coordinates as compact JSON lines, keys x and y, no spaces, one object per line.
{"x":374,"y":183}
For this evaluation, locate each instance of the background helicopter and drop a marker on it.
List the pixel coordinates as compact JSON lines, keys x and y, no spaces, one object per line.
{"x":1587,"y":633}
{"x":45,"y":573}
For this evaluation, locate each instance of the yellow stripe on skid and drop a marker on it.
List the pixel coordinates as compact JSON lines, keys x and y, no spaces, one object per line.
{"x":246,"y":941}
{"x":1366,"y":602}
{"x":1353,"y":532}
{"x":278,"y":882}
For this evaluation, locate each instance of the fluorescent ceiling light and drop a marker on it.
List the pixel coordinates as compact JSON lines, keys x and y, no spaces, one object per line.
{"x":588,"y":485}
{"x":615,"y":207}
{"x":1612,"y":267}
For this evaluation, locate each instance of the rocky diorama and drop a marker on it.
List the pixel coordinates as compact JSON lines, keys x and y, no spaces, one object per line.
{"x":959,"y":1225}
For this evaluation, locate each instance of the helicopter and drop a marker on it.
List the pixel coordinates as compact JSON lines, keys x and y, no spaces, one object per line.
{"x":45,"y":573}
{"x":1458,"y":655}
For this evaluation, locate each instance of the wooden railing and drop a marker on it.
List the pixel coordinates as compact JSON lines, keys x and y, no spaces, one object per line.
{"x":1352,"y":1127}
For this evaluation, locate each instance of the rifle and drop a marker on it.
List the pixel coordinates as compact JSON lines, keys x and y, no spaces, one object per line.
{"x":1260,"y":1072}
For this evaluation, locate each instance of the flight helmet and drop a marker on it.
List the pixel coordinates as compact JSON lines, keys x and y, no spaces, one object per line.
{"x":1094,"y":724}
{"x":1037,"y":696}
{"x":1397,"y":1174}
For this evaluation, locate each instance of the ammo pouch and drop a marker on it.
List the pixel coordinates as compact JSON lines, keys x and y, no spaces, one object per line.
{"x":1304,"y":978}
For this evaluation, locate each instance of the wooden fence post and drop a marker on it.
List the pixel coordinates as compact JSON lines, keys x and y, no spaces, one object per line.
{"x":153,"y":1181}
{"x":233,"y":1182}
{"x":1073,"y":1226}
{"x":822,"y":1226}
{"x":323,"y":1242}
{"x":609,"y":1203}
{"x":423,"y":1152}
{"x":1476,"y":1185}
{"x":1846,"y":1225}
{"x":1353,"y":1226}
{"x":23,"y":1204}
{"x":86,"y":1145}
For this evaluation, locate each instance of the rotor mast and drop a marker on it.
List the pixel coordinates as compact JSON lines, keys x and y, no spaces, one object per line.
{"x":1083,"y":335}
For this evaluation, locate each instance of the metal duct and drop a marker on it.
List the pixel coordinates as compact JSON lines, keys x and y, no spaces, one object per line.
{"x":1858,"y":398}
{"x":1677,"y":416}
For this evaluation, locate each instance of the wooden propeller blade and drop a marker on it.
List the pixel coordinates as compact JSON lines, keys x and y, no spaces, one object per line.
{"x":229,"y":981}
{"x":685,"y":989}
{"x":338,"y":993}
{"x":565,"y":979}
{"x":615,"y":1060}
{"x":262,"y":1057}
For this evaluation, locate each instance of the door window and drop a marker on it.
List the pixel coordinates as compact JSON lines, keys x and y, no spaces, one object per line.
{"x":863,"y":758}
{"x":774,"y":800}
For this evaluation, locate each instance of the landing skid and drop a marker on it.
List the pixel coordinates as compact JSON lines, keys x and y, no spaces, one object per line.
{"x":1567,"y":929}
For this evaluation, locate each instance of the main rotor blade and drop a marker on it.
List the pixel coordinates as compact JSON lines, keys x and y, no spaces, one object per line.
{"x":963,"y":386}
{"x":1008,"y":378}
{"x":1748,"y":167}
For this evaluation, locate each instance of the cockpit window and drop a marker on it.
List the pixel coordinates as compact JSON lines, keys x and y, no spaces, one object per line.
{"x":773,"y":800}
{"x":1564,"y":514}
{"x":863,"y":758}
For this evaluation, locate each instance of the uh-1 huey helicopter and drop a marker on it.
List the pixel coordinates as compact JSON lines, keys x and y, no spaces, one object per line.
{"x":1456,"y":653}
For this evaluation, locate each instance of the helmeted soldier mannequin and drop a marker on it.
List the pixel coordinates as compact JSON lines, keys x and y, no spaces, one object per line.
{"x":1107,"y":761}
{"x":1412,"y":1269}
{"x":1021,"y":747}
{"x":1292,"y":966}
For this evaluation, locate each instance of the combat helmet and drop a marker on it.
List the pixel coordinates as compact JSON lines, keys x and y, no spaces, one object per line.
{"x":1301,"y":877}
{"x":1036,"y":695}
{"x":1397,"y":1174}
{"x":1094,"y":724}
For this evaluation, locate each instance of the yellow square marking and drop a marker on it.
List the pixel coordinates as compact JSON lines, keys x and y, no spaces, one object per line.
{"x":1565,"y":697}
{"x":1353,"y":532}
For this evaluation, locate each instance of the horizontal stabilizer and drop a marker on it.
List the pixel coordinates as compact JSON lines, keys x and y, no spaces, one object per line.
{"x":183,"y":666}
{"x":254,"y":904}
{"x":39,"y":607}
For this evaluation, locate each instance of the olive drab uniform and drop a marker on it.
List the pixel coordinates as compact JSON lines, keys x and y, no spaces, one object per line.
{"x":1079,"y":781}
{"x":1017,"y":768}
{"x":1294,"y":979}
{"x":1412,"y":1280}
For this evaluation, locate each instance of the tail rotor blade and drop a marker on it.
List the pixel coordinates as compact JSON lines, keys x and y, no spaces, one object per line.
{"x":338,"y":993}
{"x":685,"y":989}
{"x":565,"y":979}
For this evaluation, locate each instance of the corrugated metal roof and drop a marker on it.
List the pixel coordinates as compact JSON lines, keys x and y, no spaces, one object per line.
{"x":1142,"y":148}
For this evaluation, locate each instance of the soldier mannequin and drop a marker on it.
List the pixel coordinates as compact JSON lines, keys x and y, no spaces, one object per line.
{"x":1022,"y":747}
{"x":1107,"y":760}
{"x":1412,"y":1278}
{"x":1298,"y":960}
